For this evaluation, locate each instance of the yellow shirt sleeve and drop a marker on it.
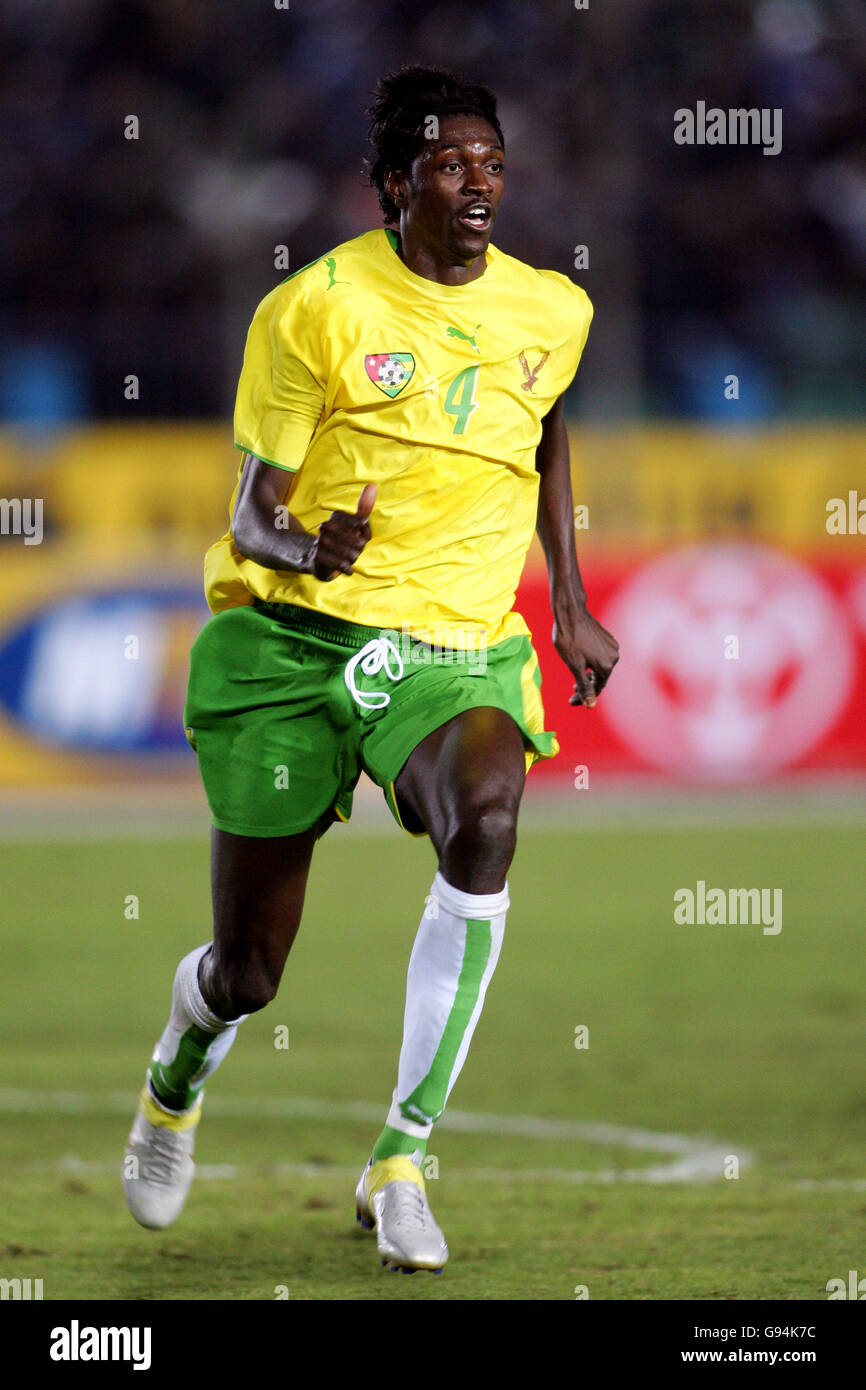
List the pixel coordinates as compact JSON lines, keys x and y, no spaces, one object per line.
{"x":281,"y":391}
{"x":579,"y":313}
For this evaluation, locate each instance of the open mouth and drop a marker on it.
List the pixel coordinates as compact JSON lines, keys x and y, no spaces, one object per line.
{"x":477,"y":217}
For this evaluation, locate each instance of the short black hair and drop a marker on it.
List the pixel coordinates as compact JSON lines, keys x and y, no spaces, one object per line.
{"x":402,"y":103}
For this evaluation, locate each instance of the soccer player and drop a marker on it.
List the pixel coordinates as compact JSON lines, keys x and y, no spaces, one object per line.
{"x":400,"y":419}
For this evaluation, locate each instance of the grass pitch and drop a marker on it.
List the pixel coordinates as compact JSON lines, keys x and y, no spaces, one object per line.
{"x":733,"y":1042}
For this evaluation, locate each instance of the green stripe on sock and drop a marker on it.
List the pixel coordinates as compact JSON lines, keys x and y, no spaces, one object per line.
{"x":394,"y":1141}
{"x":427,"y":1101}
{"x":173,"y":1084}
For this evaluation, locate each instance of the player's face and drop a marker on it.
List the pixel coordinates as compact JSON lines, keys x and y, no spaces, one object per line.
{"x":452,"y":192}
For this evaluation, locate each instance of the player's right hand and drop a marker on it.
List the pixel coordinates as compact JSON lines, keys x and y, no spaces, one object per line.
{"x":342,"y":537}
{"x":589,"y":651}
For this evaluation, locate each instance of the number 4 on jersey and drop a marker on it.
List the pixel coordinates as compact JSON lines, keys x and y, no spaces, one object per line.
{"x":460,"y":399}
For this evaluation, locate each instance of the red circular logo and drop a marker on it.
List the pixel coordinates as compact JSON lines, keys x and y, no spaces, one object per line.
{"x":735,"y":661}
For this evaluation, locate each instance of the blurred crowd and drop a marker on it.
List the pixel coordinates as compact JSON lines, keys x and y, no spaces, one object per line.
{"x":146,"y":256}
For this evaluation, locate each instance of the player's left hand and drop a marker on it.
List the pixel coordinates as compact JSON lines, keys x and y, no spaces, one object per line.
{"x":590,"y":653}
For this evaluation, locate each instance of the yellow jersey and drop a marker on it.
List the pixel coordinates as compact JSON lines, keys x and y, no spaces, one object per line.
{"x":357,"y":371}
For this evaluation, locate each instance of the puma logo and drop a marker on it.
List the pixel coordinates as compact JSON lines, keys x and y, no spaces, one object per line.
{"x":456,"y":333}
{"x":331,"y":263}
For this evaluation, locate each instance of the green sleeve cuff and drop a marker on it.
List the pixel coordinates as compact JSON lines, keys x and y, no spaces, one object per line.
{"x":286,"y":467}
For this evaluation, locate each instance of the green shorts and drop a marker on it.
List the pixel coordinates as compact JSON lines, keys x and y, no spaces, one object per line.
{"x":286,"y":707}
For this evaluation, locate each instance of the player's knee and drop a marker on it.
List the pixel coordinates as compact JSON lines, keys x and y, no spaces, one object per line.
{"x":485,"y":830}
{"x":238,"y":988}
{"x":252,"y":995}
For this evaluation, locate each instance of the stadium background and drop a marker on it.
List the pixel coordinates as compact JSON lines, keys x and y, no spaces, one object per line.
{"x":706,"y":504}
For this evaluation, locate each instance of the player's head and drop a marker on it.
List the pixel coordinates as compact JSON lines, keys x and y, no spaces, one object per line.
{"x":437,"y":151}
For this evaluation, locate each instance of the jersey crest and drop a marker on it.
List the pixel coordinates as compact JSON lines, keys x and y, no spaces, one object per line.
{"x":390,"y":371}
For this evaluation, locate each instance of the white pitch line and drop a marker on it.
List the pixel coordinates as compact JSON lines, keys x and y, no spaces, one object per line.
{"x":72,"y":1165}
{"x":694,"y":1160}
{"x":831,"y":1184}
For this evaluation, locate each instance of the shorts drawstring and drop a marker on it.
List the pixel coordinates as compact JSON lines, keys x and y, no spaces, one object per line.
{"x":374,"y":657}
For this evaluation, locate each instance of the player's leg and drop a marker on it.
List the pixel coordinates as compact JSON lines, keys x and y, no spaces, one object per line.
{"x":276,"y":769}
{"x":463,"y":784}
{"x":258,"y":887}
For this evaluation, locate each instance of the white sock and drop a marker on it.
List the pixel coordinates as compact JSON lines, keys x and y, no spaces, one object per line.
{"x":455,"y":954}
{"x":194,"y":1042}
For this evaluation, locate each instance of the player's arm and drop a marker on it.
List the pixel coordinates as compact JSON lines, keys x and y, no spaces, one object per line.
{"x":260,"y":499}
{"x":588,"y":650}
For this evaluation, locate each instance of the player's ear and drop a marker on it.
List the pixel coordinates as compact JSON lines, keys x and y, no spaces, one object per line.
{"x":395,"y":187}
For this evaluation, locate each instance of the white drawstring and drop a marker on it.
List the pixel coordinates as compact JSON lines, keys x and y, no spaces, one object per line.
{"x":375,"y":657}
